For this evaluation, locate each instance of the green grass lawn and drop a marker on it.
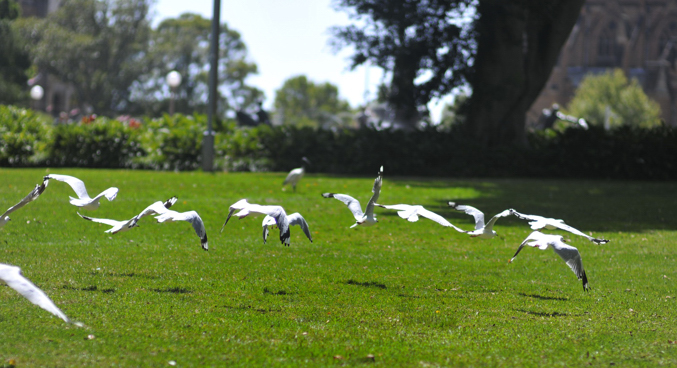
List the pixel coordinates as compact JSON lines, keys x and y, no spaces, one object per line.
{"x":395,"y":294}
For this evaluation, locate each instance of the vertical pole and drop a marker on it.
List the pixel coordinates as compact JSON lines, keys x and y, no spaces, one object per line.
{"x":208,"y":138}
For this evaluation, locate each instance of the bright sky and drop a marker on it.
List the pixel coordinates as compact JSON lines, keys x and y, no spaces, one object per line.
{"x":286,"y":39}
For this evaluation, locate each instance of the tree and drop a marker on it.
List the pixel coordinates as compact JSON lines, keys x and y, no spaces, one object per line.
{"x":611,"y":98}
{"x":301,"y":102}
{"x":96,"y":46}
{"x":182,"y":44}
{"x":14,"y":61}
{"x":411,"y":39}
{"x":518,"y":42}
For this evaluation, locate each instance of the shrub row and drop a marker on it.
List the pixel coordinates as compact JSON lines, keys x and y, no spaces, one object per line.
{"x":175,"y":143}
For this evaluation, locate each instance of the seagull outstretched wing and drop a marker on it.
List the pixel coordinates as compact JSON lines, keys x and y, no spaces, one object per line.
{"x":83,"y":199}
{"x":472,"y":211}
{"x":157,"y":208}
{"x":33,"y":195}
{"x":12,"y":276}
{"x":352,"y":203}
{"x":539,"y":222}
{"x":378,"y":182}
{"x":190,"y":216}
{"x":411,"y":213}
{"x":297,"y":219}
{"x":117,"y":226}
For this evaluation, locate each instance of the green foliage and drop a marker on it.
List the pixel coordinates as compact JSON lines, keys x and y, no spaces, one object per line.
{"x":97,"y":46}
{"x":102,"y":143}
{"x":611,"y":97}
{"x":14,"y":61}
{"x":396,"y":294}
{"x":24,"y":136}
{"x":182,"y":44}
{"x":174,"y":142}
{"x":303,"y":103}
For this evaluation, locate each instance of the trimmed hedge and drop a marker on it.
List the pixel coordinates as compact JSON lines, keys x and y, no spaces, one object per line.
{"x":175,"y":143}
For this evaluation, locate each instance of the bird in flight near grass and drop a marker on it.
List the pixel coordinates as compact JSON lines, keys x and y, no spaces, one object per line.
{"x":569,"y":254}
{"x":540,"y":222}
{"x":482,"y":230}
{"x":83,"y":199}
{"x":366,"y":218}
{"x":412,"y":212}
{"x":277,"y":213}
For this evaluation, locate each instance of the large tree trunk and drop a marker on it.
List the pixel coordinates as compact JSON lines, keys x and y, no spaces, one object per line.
{"x":403,"y":92}
{"x":518,"y":45}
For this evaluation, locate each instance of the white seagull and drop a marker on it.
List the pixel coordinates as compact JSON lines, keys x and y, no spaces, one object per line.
{"x":83,"y":199}
{"x":296,"y":174}
{"x":482,"y":230}
{"x":367,"y":217}
{"x":33,"y":195}
{"x":569,"y":254}
{"x":276,"y":212}
{"x":121,"y":226}
{"x":12,"y":276}
{"x":411,"y":213}
{"x":539,"y":222}
{"x":294,"y":219}
{"x":190,"y":216}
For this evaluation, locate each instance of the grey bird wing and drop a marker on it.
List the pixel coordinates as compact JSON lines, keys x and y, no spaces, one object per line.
{"x":198,"y":225}
{"x":297,"y":219}
{"x":437,"y":218}
{"x":352,"y":203}
{"x":33,"y":195}
{"x":103,"y":220}
{"x":75,"y":183}
{"x":572,"y":257}
{"x":536,"y":235}
{"x":14,"y":279}
{"x":109,"y":193}
{"x":378,"y":182}
{"x":472,"y":211}
{"x":539,"y":222}
{"x":490,"y":225}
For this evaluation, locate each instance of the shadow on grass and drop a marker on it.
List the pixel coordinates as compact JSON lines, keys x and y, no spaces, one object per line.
{"x":366,"y":284}
{"x":281,"y":292}
{"x":541,"y":297}
{"x":249,"y":307}
{"x":125,"y":274}
{"x":544,"y":314}
{"x":89,"y":288}
{"x":175,"y":290}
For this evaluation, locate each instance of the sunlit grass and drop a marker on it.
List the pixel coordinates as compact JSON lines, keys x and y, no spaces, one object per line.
{"x":395,"y":294}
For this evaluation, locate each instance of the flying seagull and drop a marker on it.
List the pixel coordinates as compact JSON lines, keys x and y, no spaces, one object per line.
{"x":190,"y":216}
{"x":482,"y":230}
{"x":296,"y":174}
{"x":539,"y":222}
{"x":33,"y":195}
{"x":276,"y":212}
{"x":569,"y":254}
{"x":294,"y":219}
{"x":83,"y":199}
{"x":367,"y":217}
{"x":121,"y":226}
{"x":12,"y":276}
{"x":412,"y":212}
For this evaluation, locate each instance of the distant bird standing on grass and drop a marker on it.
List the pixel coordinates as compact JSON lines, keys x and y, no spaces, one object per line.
{"x":366,"y":218}
{"x":294,"y":219}
{"x":12,"y":276}
{"x":121,"y":226}
{"x":411,"y":213}
{"x":33,"y":195}
{"x":83,"y":199}
{"x":569,"y":254}
{"x":482,"y":230}
{"x":189,"y":216}
{"x":276,"y":212}
{"x":296,"y":174}
{"x":539,"y":222}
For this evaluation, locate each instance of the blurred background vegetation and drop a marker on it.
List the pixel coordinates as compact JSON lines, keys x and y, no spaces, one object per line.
{"x":114,"y":66}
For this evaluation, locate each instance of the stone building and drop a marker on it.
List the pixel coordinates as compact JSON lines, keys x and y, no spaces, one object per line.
{"x":57,"y":95}
{"x":638,"y":36}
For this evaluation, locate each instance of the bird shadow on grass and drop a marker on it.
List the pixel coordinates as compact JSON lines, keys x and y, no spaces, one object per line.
{"x":255,"y":309}
{"x":281,"y":292}
{"x":536,"y":296}
{"x":174,"y":290}
{"x":89,"y":288}
{"x":544,"y":314}
{"x":124,"y":274}
{"x":366,"y":284}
